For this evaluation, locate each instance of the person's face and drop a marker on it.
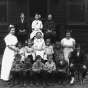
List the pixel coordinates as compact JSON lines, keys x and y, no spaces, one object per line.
{"x":47,"y":43}
{"x":12,"y":31}
{"x":28,"y":61}
{"x":68,"y":35}
{"x":61,"y":57}
{"x":49,"y":17}
{"x":19,"y":45}
{"x":78,"y":48}
{"x":38,"y":35}
{"x":29,"y":44}
{"x":39,"y":60}
{"x":36,"y":17}
{"x":58,"y":45}
{"x":22,"y":16}
{"x":50,"y":59}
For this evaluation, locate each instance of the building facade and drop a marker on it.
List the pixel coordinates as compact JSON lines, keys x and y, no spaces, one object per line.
{"x":67,"y":14}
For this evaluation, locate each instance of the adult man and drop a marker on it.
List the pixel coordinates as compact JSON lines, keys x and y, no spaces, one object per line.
{"x":49,"y":28}
{"x":78,"y":61}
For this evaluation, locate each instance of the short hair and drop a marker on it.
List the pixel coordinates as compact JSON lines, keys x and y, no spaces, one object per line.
{"x":38,"y":57}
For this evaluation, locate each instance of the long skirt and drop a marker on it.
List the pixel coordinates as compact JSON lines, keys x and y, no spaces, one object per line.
{"x":7,"y":61}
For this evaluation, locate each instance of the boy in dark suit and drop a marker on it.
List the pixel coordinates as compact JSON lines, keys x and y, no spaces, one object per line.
{"x":22,"y":29}
{"x":78,"y":61}
{"x":62,"y":67}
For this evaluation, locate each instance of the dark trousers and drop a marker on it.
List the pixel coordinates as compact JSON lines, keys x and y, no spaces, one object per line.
{"x":49,"y":77}
{"x":78,"y":68}
{"x":61,"y":76}
{"x":50,"y":35}
{"x":22,"y":38}
{"x":37,"y":76}
{"x":16,"y":74}
{"x":27,"y":76}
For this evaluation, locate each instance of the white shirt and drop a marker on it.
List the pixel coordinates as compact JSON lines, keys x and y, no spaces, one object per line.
{"x":37,"y":25}
{"x":68,"y":42}
{"x":39,"y":44}
{"x":49,"y":49}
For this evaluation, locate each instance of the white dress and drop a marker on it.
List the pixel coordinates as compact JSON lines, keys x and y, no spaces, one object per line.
{"x":39,"y":45}
{"x":8,"y":57}
{"x":37,"y":26}
{"x":68,"y":44}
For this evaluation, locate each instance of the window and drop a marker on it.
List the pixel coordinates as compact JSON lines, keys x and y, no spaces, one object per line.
{"x":77,"y":11}
{"x":3,"y":11}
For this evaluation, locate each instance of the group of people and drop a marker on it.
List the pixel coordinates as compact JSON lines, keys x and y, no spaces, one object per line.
{"x":25,"y":31}
{"x":38,"y":60}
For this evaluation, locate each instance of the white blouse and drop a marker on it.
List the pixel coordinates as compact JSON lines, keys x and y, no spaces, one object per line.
{"x":37,"y":24}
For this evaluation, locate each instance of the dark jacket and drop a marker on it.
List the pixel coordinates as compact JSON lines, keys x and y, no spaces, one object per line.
{"x":81,"y":59}
{"x":22,"y":26}
{"x":49,"y":25}
{"x":63,"y":66}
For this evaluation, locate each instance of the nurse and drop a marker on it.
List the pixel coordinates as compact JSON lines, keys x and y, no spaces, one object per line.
{"x":8,"y":56}
{"x":68,"y":44}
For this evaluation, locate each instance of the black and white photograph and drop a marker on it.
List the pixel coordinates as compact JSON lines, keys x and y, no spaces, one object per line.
{"x":43,"y":43}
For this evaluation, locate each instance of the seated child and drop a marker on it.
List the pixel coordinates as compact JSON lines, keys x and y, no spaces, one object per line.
{"x":62,"y":67}
{"x":27,"y":70}
{"x":36,"y":26}
{"x":50,"y":68}
{"x":57,"y":50}
{"x":39,"y":45}
{"x":48,"y":49}
{"x":20,"y":51}
{"x":16,"y":70}
{"x":37,"y":69}
{"x":29,"y":50}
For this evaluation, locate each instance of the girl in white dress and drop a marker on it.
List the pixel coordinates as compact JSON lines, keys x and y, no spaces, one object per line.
{"x":36,"y":26}
{"x":8,"y":56}
{"x":39,"y":45}
{"x":68,"y":45}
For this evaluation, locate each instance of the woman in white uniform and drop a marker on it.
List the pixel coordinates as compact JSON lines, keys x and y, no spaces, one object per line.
{"x":36,"y":26}
{"x":8,"y":56}
{"x":68,"y":45}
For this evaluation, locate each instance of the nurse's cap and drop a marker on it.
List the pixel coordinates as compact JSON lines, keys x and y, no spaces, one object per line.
{"x":10,"y":26}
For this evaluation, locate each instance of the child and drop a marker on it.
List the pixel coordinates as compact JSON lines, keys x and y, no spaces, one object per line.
{"x":37,"y":69}
{"x":48,"y":49}
{"x":16,"y":70}
{"x":20,"y":51}
{"x":62,"y":66}
{"x":39,"y":45}
{"x":50,"y":68}
{"x":36,"y":26}
{"x":57,"y":50}
{"x":29,"y":50}
{"x":27,"y":70}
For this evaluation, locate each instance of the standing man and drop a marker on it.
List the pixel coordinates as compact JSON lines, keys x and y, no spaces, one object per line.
{"x":49,"y":28}
{"x":22,"y":29}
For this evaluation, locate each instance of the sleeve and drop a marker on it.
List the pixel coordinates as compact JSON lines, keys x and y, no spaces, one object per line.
{"x":53,"y":28}
{"x":45,"y":25}
{"x":54,"y":66}
{"x":52,"y":50}
{"x":33,"y":26}
{"x":43,"y":45}
{"x":7,"y":40}
{"x":34,"y":67}
{"x":41,"y":25}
